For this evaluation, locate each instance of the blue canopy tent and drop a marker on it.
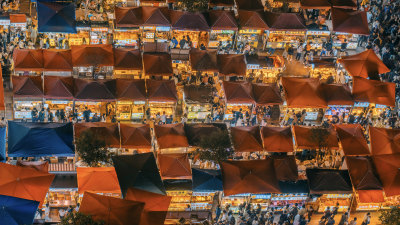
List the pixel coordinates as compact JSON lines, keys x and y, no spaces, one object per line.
{"x":205,"y":180}
{"x":2,"y":144}
{"x":40,"y":139}
{"x":56,"y":17}
{"x":15,"y":211}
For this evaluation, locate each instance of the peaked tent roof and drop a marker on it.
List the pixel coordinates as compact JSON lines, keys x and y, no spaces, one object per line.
{"x":155,"y":16}
{"x":373,"y":91}
{"x":349,"y":21}
{"x":161,"y":90}
{"x":266,"y":94}
{"x":344,"y":4}
{"x":138,"y":171}
{"x":252,"y":20}
{"x":203,"y":60}
{"x":16,"y":211}
{"x":27,"y":86}
{"x":174,"y":166}
{"x":362,"y":173}
{"x":170,"y":136}
{"x":222,"y":20}
{"x":40,"y":139}
{"x":370,"y":196}
{"x":352,"y":138}
{"x":206,"y":180}
{"x":97,"y":179}
{"x":128,"y":17}
{"x":329,"y":181}
{"x":285,"y":167}
{"x":107,"y":131}
{"x":57,"y":60}
{"x":58,"y":87}
{"x":303,"y":92}
{"x":315,"y":4}
{"x":129,"y":89}
{"x":135,"y":136}
{"x":389,"y":172}
{"x":92,"y":55}
{"x":196,"y":131}
{"x":365,"y":64}
{"x":159,"y":64}
{"x":188,"y":21}
{"x":249,"y":5}
{"x":336,"y":94}
{"x":28,"y":60}
{"x":303,"y":137}
{"x":56,"y":17}
{"x":127,"y":59}
{"x":94,"y":90}
{"x":247,"y":139}
{"x":277,"y":139}
{"x":384,"y":141}
{"x":285,"y":21}
{"x":225,"y":3}
{"x":238,"y":92}
{"x":231,"y":64}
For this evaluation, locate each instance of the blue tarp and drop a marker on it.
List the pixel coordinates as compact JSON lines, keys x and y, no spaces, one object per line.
{"x":2,"y":144}
{"x":40,"y":139}
{"x":207,"y":180}
{"x":16,"y":211}
{"x":56,"y":17}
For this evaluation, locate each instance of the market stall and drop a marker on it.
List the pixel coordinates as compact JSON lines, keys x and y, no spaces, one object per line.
{"x":196,"y":131}
{"x":247,"y":139}
{"x":203,"y":62}
{"x":252,"y":29}
{"x":92,"y":60}
{"x":135,"y":137}
{"x":222,"y":4}
{"x":162,"y":98}
{"x":100,"y":33}
{"x":347,"y":25}
{"x":317,"y":35}
{"x":223,"y":28}
{"x":302,"y":138}
{"x":174,"y":166}
{"x":267,"y":96}
{"x":128,"y":63}
{"x":239,"y":99}
{"x":57,"y":62}
{"x":171,"y":138}
{"x":101,"y":180}
{"x":56,"y":17}
{"x":82,"y":36}
{"x":264,"y":69}
{"x":156,"y":26}
{"x":127,"y":26}
{"x":154,"y":3}
{"x":284,"y":29}
{"x":18,"y":21}
{"x":198,"y":101}
{"x":339,"y":99}
{"x":27,"y":95}
{"x":59,"y":95}
{"x":107,"y":132}
{"x":205,"y":185}
{"x":292,"y":193}
{"x":352,"y":139}
{"x":324,"y":68}
{"x":131,"y":99}
{"x":387,"y":167}
{"x":157,"y":65}
{"x":277,"y":139}
{"x":232,"y":66}
{"x":28,"y":61}
{"x":250,"y":5}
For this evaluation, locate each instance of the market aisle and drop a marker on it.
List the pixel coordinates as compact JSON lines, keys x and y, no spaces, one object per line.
{"x":360,"y":215}
{"x":295,"y":68}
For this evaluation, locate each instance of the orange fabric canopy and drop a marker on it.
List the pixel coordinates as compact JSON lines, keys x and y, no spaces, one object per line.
{"x":362,"y":173}
{"x":285,"y":168}
{"x":222,"y":20}
{"x":127,"y":59}
{"x":92,"y":55}
{"x":365,"y":64}
{"x":42,"y":166}
{"x":27,"y":86}
{"x":107,"y":131}
{"x":174,"y":166}
{"x":238,"y":92}
{"x":303,"y":93}
{"x":388,"y":167}
{"x":130,"y":89}
{"x":17,"y":18}
{"x":2,"y":105}
{"x":277,"y":139}
{"x":349,"y":21}
{"x":170,"y":136}
{"x":28,"y":59}
{"x":265,"y":94}
{"x":304,"y":141}
{"x":252,"y":20}
{"x":57,"y":60}
{"x":336,"y":94}
{"x":24,"y":182}
{"x":203,"y":60}
{"x":135,"y":136}
{"x":255,"y":176}
{"x":352,"y":138}
{"x":157,"y":64}
{"x":58,"y":87}
{"x":113,"y":211}
{"x":97,"y":179}
{"x":247,"y":139}
{"x":231,"y":64}
{"x":384,"y":141}
{"x":370,"y":196}
{"x":373,"y":91}
{"x":161,"y":90}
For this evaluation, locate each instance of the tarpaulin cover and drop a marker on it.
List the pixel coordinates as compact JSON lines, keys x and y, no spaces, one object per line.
{"x":58,"y":87}
{"x":2,"y":105}
{"x":249,"y":5}
{"x":37,"y":165}
{"x":384,"y":141}
{"x":285,"y":168}
{"x":352,"y":138}
{"x":131,"y":90}
{"x":388,"y":167}
{"x":303,"y":136}
{"x":94,"y":90}
{"x":27,"y":86}
{"x":135,"y":136}
{"x":108,"y":132}
{"x":196,"y":131}
{"x":329,"y":181}
{"x":374,"y":91}
{"x":92,"y":55}
{"x":267,"y":94}
{"x":198,"y":94}
{"x":188,"y":21}
{"x":40,"y":139}
{"x":363,"y":173}
{"x":57,"y":60}
{"x":336,"y":94}
{"x":277,"y":139}
{"x":170,"y":136}
{"x":113,"y":211}
{"x":247,"y":139}
{"x":174,"y":166}
{"x":28,"y":59}
{"x":303,"y":93}
{"x":225,"y":3}
{"x":365,"y":64}
{"x":56,"y":17}
{"x":16,"y":211}
{"x":207,"y":180}
{"x":300,"y":186}
{"x":128,"y":17}
{"x":203,"y":60}
{"x":255,"y":176}
{"x":23,"y":182}
{"x":127,"y":59}
{"x":370,"y":196}
{"x":97,"y":179}
{"x":349,"y":21}
{"x":222,"y":20}
{"x":3,"y":131}
{"x":252,"y":20}
{"x":285,"y":21}
{"x":238,"y":92}
{"x":138,"y":171}
{"x":161,"y":90}
{"x":315,"y":4}
{"x":231,"y":64}
{"x":157,"y":64}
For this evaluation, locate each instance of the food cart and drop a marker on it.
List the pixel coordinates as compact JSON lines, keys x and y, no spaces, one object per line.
{"x":192,"y":25}
{"x":264,"y":69}
{"x":128,"y":63}
{"x":156,"y":26}
{"x":87,"y":63}
{"x":127,"y":26}
{"x":239,"y":98}
{"x":197,"y":101}
{"x":162,"y":97}
{"x":252,"y":28}
{"x":27,"y":95}
{"x":223,"y":28}
{"x":131,"y":99}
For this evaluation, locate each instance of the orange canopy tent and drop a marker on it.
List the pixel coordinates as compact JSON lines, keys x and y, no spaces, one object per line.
{"x":265,"y":94}
{"x":255,"y":176}
{"x":231,"y":64}
{"x":303,"y":93}
{"x":113,"y":211}
{"x":388,"y":167}
{"x":174,"y":166}
{"x":349,"y":21}
{"x":28,"y":60}
{"x":2,"y":105}
{"x":252,"y":20}
{"x":157,"y":64}
{"x":27,"y":86}
{"x":57,"y":60}
{"x":384,"y":141}
{"x":161,"y":90}
{"x":128,"y":17}
{"x":285,"y":168}
{"x":42,"y":166}
{"x":58,"y":87}
{"x":315,"y":4}
{"x":130,"y":90}
{"x":203,"y":60}
{"x":92,"y":55}
{"x":135,"y":136}
{"x":304,"y":140}
{"x":277,"y":139}
{"x":373,"y":91}
{"x":238,"y":92}
{"x":170,"y":136}
{"x":97,"y":179}
{"x":127,"y":59}
{"x":365,"y":64}
{"x":352,"y":138}
{"x":24,"y":182}
{"x":222,"y":20}
{"x":108,"y":132}
{"x":94,"y":90}
{"x":336,"y":94}
{"x":247,"y":139}
{"x":370,"y":196}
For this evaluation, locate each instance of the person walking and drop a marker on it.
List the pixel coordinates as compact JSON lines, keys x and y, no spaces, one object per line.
{"x":354,"y":221}
{"x":367,"y":219}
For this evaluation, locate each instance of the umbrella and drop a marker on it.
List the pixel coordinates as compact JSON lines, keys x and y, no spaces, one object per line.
{"x":138,"y":171}
{"x":247,"y":139}
{"x":388,"y":167}
{"x":277,"y":139}
{"x":174,"y":166}
{"x":207,"y":180}
{"x":352,"y":138}
{"x":16,"y":211}
{"x":113,"y":211}
{"x":97,"y":179}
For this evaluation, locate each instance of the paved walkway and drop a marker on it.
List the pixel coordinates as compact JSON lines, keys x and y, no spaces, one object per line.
{"x":360,"y":216}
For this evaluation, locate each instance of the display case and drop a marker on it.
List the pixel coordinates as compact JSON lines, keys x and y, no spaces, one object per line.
{"x":202,"y":201}
{"x":278,"y":39}
{"x":279,"y":201}
{"x":161,"y":107}
{"x":193,"y":35}
{"x":377,"y":110}
{"x":234,"y":201}
{"x":231,"y":108}
{"x":249,"y":36}
{"x":180,"y":200}
{"x":263,"y":200}
{"x":331,"y":200}
{"x":351,"y":39}
{"x":61,"y":198}
{"x":223,"y":36}
{"x":316,"y":38}
{"x":338,"y":110}
{"x":159,"y":34}
{"x":128,"y":110}
{"x":128,"y":74}
{"x":98,"y":108}
{"x":23,"y":108}
{"x":198,"y":111}
{"x":99,"y":35}
{"x":323,"y":73}
{"x":390,"y":202}
{"x":126,"y":37}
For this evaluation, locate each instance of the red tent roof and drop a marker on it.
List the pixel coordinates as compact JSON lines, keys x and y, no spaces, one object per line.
{"x":277,"y":139}
{"x":135,"y":136}
{"x":203,"y":60}
{"x":232,"y":64}
{"x":249,"y":5}
{"x":384,"y":141}
{"x":94,"y":90}
{"x":127,"y":59}
{"x":336,"y":94}
{"x":57,"y":60}
{"x":170,"y":136}
{"x":362,"y":173}
{"x":107,"y":131}
{"x":370,"y":196}
{"x":27,"y":86}
{"x":389,"y":172}
{"x":247,"y":139}
{"x":267,"y":94}
{"x":222,"y":20}
{"x":344,"y":4}
{"x":304,"y":140}
{"x":373,"y":91}
{"x":174,"y":166}
{"x":17,"y":18}
{"x":315,"y":4}
{"x":303,"y":93}
{"x":92,"y":55}
{"x":238,"y":92}
{"x":352,"y":138}
{"x":28,"y":59}
{"x":349,"y":21}
{"x":128,"y":17}
{"x":159,"y":64}
{"x":161,"y":90}
{"x":188,"y":21}
{"x":58,"y":87}
{"x":285,"y":21}
{"x":252,"y":20}
{"x":155,"y":16}
{"x":132,"y":90}
{"x":285,"y":168}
